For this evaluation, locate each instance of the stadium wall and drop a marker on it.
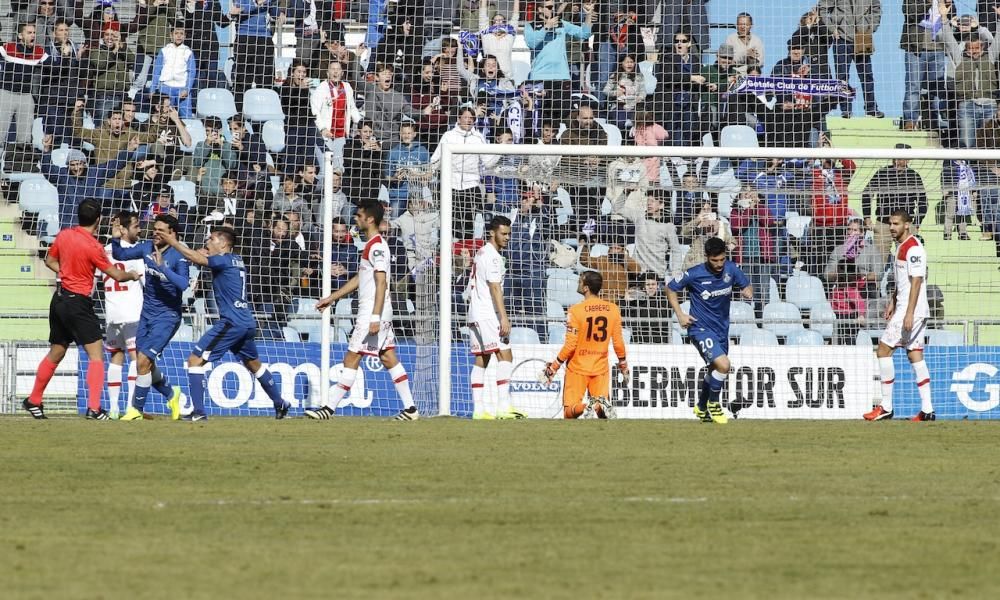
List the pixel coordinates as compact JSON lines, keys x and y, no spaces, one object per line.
{"x":779,"y":383}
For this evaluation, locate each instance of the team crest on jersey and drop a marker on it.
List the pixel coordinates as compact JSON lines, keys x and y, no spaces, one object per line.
{"x":705,"y":295}
{"x":726,"y":278}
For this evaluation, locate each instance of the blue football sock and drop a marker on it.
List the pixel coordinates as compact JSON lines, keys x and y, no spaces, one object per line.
{"x":703,"y":393}
{"x":266,"y":380}
{"x":196,"y":377}
{"x":161,"y":383}
{"x":141,"y":391}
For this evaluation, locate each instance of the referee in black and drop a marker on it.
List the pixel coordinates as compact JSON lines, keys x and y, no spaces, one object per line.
{"x":74,"y":256}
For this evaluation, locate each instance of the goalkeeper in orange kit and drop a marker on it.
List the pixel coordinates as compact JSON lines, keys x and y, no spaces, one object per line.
{"x":589,"y":325}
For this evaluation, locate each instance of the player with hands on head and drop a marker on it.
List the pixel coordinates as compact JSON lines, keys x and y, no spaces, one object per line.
{"x":122,"y":310}
{"x":710,"y":287}
{"x":235,"y":330}
{"x":590,"y":326}
{"x":168,"y":275}
{"x":489,"y":325}
{"x":373,"y":334}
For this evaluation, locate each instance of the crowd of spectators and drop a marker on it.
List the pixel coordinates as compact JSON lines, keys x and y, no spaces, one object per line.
{"x":118,"y":94}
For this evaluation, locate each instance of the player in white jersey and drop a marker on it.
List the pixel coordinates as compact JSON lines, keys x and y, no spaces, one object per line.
{"x":122,"y":306}
{"x":373,"y":334}
{"x":489,"y":326}
{"x":907,"y":315}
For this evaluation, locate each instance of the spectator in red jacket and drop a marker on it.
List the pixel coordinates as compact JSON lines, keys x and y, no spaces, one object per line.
{"x":830,"y":210}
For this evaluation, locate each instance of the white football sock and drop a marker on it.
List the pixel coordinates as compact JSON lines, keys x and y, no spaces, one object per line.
{"x":888,"y":373}
{"x":343,"y":387}
{"x":923,"y":385}
{"x":402,"y":382}
{"x":131,"y":381}
{"x":114,"y":384}
{"x":504,"y":371}
{"x":476,"y":381}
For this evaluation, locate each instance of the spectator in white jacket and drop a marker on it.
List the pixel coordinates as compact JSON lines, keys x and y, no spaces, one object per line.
{"x":175,"y":71}
{"x":335,"y":110}
{"x":497,"y":35}
{"x":467,"y":169}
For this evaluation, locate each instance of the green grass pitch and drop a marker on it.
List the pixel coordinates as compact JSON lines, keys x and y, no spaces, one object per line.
{"x":442,"y":508}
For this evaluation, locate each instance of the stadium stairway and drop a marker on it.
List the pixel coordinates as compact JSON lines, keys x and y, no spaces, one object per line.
{"x":25,"y":282}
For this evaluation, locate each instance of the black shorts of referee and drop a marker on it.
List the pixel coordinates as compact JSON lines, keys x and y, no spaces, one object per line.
{"x":72,"y":318}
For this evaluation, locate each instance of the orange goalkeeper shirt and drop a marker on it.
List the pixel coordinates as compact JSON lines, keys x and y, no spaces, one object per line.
{"x":590,"y":325}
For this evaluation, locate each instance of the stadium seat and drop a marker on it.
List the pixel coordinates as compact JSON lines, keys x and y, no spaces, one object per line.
{"x":283,"y":64}
{"x":310,"y":330}
{"x":758,"y":337}
{"x":304,"y":306}
{"x":773,"y":291}
{"x":273,"y":134}
{"x":561,"y":286}
{"x":738,"y":136}
{"x":557,"y":333}
{"x":627,"y":334}
{"x":782,"y":318}
{"x":196,"y":129}
{"x":262,"y":104}
{"x":554,"y":311}
{"x":344,"y":316}
{"x":227,"y":69}
{"x":614,"y":134}
{"x":805,"y":337}
{"x":185,"y":191}
{"x":867,"y":337}
{"x":741,"y":311}
{"x":291,"y":335}
{"x":945,"y":337}
{"x":822,"y":319}
{"x":185,"y":333}
{"x":39,"y":196}
{"x":676,"y":333}
{"x":216,"y":102}
{"x":804,"y":290}
{"x":38,"y":134}
{"x":522,"y":70}
{"x":524,"y":335}
{"x":60,"y":156}
{"x":648,"y":78}
{"x":564,"y":208}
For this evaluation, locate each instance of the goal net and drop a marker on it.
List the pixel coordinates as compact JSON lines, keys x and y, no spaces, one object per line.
{"x":809,"y":228}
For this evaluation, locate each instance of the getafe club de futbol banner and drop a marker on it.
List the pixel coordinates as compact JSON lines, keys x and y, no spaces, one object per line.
{"x":765,"y":383}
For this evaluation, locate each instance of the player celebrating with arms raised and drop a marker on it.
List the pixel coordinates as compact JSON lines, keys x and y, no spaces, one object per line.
{"x":236,"y":327}
{"x":373,"y":334}
{"x":907,"y":314}
{"x":710,"y":286}
{"x":488,"y":322}
{"x":589,"y":324}
{"x":122,"y":307}
{"x":167,"y":276}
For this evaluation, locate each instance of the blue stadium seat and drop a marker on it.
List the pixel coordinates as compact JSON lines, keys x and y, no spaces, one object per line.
{"x":804,"y":290}
{"x":782,"y":318}
{"x":867,"y":337}
{"x":524,"y":335}
{"x":557,"y":333}
{"x":291,"y":335}
{"x":738,"y":136}
{"x":741,"y":311}
{"x":344,"y":316}
{"x":945,"y":337}
{"x":185,"y":191}
{"x":39,"y":196}
{"x":196,"y":129}
{"x":216,"y":102}
{"x":309,"y":330}
{"x":822,"y":319}
{"x":627,"y":334}
{"x":273,"y":134}
{"x":561,"y":286}
{"x":648,"y":78}
{"x":262,"y":104}
{"x":554,"y":311}
{"x":805,"y":337}
{"x":185,"y":333}
{"x":758,"y":337}
{"x":522,"y":70}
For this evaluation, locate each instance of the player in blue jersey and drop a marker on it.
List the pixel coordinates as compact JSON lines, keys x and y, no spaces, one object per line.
{"x":167,"y":276}
{"x":236,"y":328}
{"x":710,"y":286}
